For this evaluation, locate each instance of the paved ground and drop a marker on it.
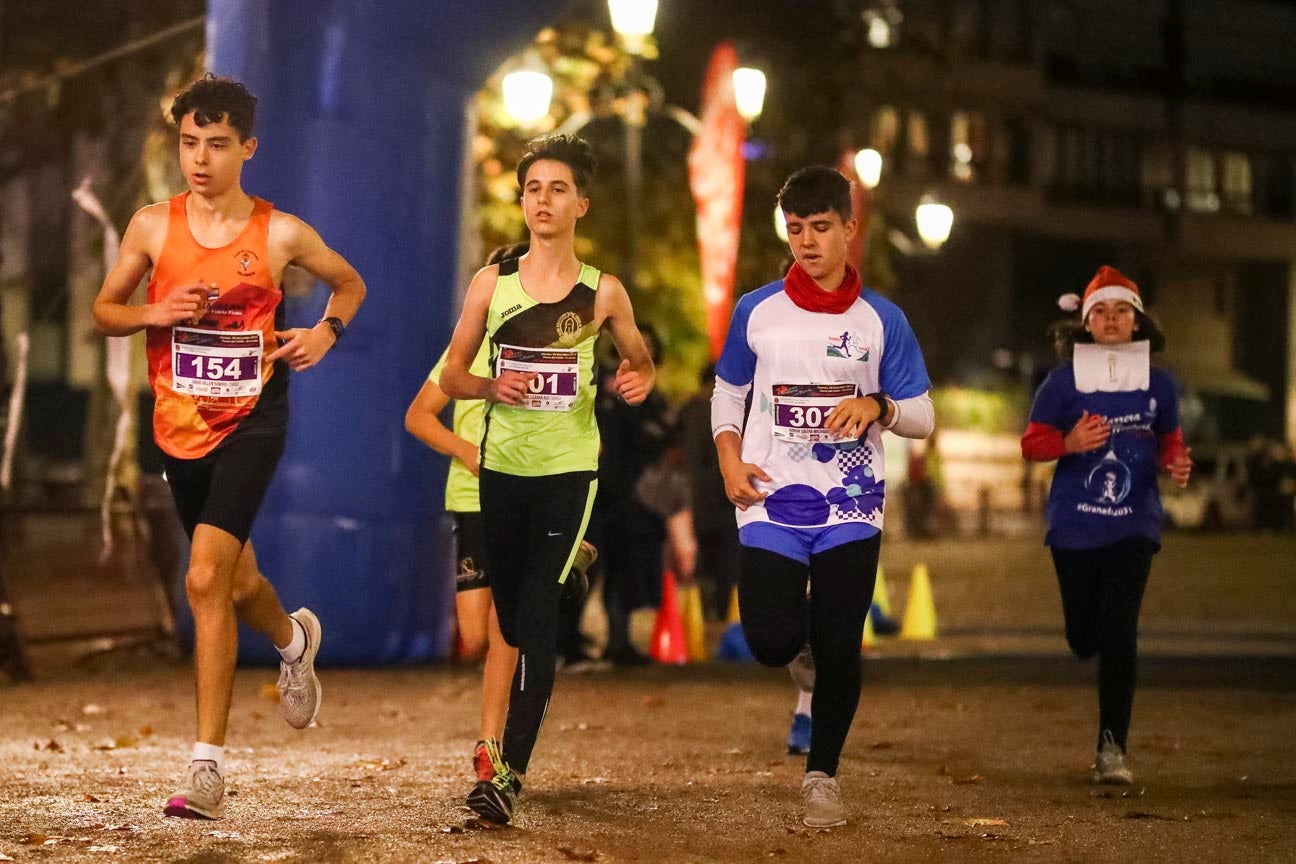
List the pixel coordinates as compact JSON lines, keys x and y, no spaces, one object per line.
{"x":982,"y":757}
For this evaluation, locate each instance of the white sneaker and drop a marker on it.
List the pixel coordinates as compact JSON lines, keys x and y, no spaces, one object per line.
{"x":802,"y":670}
{"x":300,"y":693}
{"x":821,"y":797}
{"x":1109,"y":765}
{"x":202,"y":796}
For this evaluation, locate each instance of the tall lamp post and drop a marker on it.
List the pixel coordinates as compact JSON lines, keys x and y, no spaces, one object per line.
{"x":639,"y":96}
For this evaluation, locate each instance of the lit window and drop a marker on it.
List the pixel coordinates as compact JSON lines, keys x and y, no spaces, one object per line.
{"x":1236,"y":182}
{"x":1202,"y":194}
{"x":886,"y":128}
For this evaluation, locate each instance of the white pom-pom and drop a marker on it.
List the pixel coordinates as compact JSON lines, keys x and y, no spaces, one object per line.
{"x":1069,"y":302}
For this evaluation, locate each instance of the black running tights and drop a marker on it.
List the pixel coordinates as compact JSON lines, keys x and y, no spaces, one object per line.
{"x":772,"y":598}
{"x":1102,"y":590}
{"x":533,"y":526}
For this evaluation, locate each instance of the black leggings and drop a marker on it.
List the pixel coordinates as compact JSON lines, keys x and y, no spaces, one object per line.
{"x":533,"y":527}
{"x":772,"y":598}
{"x":1102,"y":590}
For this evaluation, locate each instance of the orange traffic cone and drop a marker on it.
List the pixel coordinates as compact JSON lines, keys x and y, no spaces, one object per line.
{"x":668,"y":644}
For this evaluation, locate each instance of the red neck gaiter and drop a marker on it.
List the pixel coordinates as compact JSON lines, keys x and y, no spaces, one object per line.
{"x":807,"y":294}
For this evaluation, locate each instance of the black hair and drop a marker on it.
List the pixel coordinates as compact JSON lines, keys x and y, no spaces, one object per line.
{"x":215,"y":98}
{"x":504,"y":253}
{"x":1064,"y":334}
{"x":817,"y":189}
{"x":570,"y":150}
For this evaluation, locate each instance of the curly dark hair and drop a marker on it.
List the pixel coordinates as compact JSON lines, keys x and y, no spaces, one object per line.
{"x":215,"y":98}
{"x":1064,"y":334}
{"x":570,"y":150}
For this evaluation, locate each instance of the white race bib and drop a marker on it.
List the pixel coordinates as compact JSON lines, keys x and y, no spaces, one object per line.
{"x":1112,"y":368}
{"x":557,"y":372}
{"x":801,"y":409}
{"x":216,"y":362}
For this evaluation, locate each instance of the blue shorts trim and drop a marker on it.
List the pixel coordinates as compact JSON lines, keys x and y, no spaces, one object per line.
{"x":800,"y":543}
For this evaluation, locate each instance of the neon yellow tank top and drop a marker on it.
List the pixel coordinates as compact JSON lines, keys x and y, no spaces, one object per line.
{"x":553,"y":431}
{"x":462,"y":494}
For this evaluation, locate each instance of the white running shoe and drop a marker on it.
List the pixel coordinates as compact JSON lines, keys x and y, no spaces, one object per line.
{"x":821,"y":797}
{"x":802,"y":670}
{"x":300,"y":693}
{"x":202,"y":796}
{"x":1109,"y":765}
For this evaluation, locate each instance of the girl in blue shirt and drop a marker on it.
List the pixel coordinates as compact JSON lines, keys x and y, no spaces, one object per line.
{"x":1111,"y":421}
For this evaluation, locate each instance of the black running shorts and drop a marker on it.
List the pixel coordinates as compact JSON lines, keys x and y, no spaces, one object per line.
{"x":224,"y":489}
{"x":469,"y":539}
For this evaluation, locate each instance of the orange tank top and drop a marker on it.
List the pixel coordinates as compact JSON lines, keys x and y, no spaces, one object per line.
{"x":210,"y":378}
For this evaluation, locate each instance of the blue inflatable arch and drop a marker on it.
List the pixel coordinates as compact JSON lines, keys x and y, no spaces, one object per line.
{"x":361,"y":122}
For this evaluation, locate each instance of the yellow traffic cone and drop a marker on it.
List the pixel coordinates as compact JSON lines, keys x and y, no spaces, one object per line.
{"x":869,"y":637}
{"x":734,"y":616}
{"x":694,"y":631}
{"x":920,"y":612}
{"x":880,"y":595}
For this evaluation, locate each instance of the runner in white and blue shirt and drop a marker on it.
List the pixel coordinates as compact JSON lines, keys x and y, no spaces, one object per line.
{"x":813,"y":369}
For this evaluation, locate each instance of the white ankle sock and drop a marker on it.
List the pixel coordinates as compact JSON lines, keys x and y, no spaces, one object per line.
{"x":803,"y":703}
{"x":296,"y":646}
{"x":210,"y":753}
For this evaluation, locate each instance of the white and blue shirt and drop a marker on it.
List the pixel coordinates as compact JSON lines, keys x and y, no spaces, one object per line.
{"x":795,"y":364}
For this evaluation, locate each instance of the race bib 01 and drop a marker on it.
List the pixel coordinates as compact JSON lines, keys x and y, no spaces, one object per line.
{"x":216,"y":363}
{"x":801,"y":409}
{"x":557,"y":372}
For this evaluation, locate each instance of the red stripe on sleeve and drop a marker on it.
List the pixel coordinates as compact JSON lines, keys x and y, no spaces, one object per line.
{"x":1169,"y":446}
{"x":1042,"y":443}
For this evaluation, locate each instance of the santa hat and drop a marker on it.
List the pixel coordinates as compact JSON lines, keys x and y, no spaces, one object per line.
{"x":1107,"y":284}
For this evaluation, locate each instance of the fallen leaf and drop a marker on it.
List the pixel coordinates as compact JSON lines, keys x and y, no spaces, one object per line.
{"x":91,"y":799}
{"x":1142,"y":814}
{"x":90,"y":709}
{"x":476,"y":824}
{"x":146,"y":732}
{"x":69,"y":726}
{"x":573,"y":855}
{"x":963,"y":781}
{"x":121,"y":742}
{"x":50,"y":746}
{"x":596,"y":781}
{"x":453,"y":829}
{"x":775,"y":852}
{"x":654,"y":701}
{"x":270,"y":692}
{"x":109,"y":850}
{"x":880,"y":745}
{"x":983,"y":822}
{"x":4,"y":857}
{"x":32,"y":839}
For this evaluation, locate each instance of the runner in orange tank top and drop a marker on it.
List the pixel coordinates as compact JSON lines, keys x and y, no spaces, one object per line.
{"x":219,"y":358}
{"x":211,"y":379}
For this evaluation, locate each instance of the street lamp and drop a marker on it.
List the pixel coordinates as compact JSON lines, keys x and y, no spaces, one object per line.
{"x":749,"y":92}
{"x":633,"y":21}
{"x":780,"y":223}
{"x":934,"y":222}
{"x":527,"y":94}
{"x":868,"y":167}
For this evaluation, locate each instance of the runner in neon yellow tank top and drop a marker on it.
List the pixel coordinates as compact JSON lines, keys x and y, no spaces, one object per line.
{"x":479,"y":633}
{"x":540,"y":449}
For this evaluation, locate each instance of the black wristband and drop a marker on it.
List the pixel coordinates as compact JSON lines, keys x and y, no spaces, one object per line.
{"x":335,"y":324}
{"x":883,"y":402}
